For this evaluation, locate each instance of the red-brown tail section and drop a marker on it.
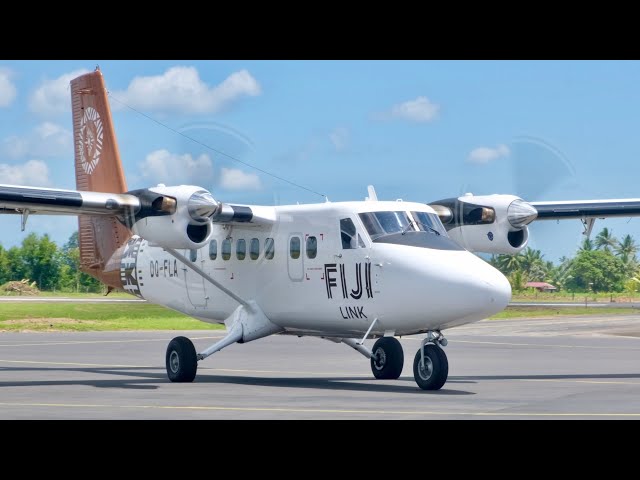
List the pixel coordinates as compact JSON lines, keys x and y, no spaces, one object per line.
{"x":98,"y":169}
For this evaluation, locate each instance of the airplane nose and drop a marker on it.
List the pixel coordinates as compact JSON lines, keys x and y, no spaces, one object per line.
{"x":483,"y":290}
{"x":497,"y":290}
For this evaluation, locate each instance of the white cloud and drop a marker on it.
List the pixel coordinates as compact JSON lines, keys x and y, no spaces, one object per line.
{"x":46,"y":140}
{"x":175,"y":169}
{"x":419,"y":110}
{"x":234,"y":179}
{"x":340,"y":138}
{"x":54,"y":96}
{"x":33,"y":172}
{"x":484,"y":155}
{"x":181,"y":90}
{"x":7,"y":89}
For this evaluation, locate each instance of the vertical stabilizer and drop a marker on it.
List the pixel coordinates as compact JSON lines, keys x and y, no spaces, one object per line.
{"x":98,"y":169}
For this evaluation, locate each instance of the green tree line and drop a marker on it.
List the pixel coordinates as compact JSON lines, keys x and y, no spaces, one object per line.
{"x":40,"y":260}
{"x":604,"y":264}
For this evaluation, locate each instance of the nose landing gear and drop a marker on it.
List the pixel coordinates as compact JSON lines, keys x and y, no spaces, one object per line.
{"x":430,"y":365}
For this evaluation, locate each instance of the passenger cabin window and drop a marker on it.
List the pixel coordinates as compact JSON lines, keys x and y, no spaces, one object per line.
{"x":226,"y":249}
{"x":269,"y":249}
{"x":193,"y":255}
{"x":241,"y":249}
{"x":348,"y":234}
{"x":254,"y":249}
{"x":213,"y":249}
{"x":312,"y":247}
{"x":294,"y":247}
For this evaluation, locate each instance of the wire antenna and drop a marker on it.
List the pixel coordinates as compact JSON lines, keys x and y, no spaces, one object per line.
{"x":148,"y":117}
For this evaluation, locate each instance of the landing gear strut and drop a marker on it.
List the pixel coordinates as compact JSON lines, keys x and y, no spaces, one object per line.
{"x":430,"y":365}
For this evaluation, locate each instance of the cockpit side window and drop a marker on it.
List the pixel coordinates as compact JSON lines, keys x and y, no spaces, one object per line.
{"x":429,"y":222}
{"x":348,"y":233}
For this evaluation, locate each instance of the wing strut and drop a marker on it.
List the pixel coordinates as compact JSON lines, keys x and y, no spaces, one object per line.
{"x":200,"y":272}
{"x":588,"y":225}
{"x":23,"y":219}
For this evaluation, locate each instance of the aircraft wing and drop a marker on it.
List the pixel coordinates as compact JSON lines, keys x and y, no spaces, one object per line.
{"x":499,"y":223}
{"x":18,"y":199}
{"x":132,"y":206}
{"x":585,"y":209}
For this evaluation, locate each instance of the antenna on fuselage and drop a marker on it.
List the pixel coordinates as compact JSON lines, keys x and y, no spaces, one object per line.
{"x":373,"y":197}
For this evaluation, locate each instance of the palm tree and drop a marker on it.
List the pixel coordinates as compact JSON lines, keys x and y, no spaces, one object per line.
{"x":533,"y":265}
{"x":531,"y":257}
{"x":507,"y":263}
{"x":560,"y":275}
{"x":605,"y":240}
{"x":587,"y":246}
{"x":627,"y":248}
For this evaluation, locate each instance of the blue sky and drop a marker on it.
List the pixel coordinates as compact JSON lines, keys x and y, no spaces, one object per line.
{"x":417,"y":130}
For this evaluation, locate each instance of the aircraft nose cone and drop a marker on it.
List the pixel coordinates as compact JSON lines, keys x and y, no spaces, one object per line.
{"x":497,"y":290}
{"x":486,"y":291}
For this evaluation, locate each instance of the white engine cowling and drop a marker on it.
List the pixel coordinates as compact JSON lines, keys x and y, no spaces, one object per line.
{"x":175,"y":217}
{"x":494,"y":224}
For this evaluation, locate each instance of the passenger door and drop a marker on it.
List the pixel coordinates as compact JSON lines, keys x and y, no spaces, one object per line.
{"x":295,"y":257}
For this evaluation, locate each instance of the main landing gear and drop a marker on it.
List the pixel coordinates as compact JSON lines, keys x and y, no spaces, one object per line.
{"x":430,"y":364}
{"x":387,"y":359}
{"x":181,"y":360}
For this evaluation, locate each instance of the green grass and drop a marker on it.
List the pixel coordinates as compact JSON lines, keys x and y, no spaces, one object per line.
{"x":70,"y":295}
{"x":532,"y":296}
{"x":80,"y":317}
{"x":533,"y":312}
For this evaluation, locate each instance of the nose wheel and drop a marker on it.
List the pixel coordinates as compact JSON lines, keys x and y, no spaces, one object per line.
{"x":387,"y":359}
{"x":430,"y":369}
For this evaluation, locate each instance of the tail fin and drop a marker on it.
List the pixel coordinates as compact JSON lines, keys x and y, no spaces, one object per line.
{"x":98,"y":169}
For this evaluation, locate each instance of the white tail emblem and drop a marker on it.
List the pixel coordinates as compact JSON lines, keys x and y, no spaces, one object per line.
{"x":90,"y":140}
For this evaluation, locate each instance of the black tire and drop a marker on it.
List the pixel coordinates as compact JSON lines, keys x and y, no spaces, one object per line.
{"x":181,"y":360}
{"x":435,"y":376}
{"x":388,"y":359}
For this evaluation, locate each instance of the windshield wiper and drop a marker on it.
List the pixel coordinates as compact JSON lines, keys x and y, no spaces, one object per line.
{"x":430,"y":228}
{"x":406,"y":229}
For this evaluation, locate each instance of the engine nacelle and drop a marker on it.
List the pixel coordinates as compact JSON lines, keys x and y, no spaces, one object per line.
{"x":487,"y":223}
{"x":175,"y":217}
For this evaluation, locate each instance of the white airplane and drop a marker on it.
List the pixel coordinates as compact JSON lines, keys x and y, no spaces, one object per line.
{"x":345,"y":272}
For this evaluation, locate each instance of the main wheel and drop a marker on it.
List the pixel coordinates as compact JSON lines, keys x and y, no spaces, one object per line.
{"x":433,"y":374}
{"x":388,"y":359}
{"x":182,"y":361}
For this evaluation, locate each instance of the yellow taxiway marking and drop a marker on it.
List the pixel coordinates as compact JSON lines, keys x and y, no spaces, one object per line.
{"x":160,"y":367}
{"x":80,"y":342}
{"x":285,"y":372}
{"x":357,"y":375}
{"x":481,"y":342}
{"x":74,"y":364}
{"x":319,"y":410}
{"x":561,"y":380}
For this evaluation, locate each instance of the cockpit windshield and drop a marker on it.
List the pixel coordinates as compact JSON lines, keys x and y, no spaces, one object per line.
{"x":379,"y":224}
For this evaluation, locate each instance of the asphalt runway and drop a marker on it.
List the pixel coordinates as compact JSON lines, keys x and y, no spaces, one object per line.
{"x":554,"y":368}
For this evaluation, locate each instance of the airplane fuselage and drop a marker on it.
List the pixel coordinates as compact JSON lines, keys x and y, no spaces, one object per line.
{"x":304,"y":279}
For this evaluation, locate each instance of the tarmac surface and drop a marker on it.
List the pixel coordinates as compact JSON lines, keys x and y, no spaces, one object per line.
{"x":552,"y":368}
